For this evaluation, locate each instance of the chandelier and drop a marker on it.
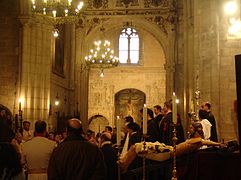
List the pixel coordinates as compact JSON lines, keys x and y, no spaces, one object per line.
{"x":102,"y":56}
{"x":60,"y":11}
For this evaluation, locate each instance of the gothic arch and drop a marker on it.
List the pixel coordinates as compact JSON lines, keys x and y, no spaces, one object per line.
{"x":97,"y":123}
{"x":112,"y":25}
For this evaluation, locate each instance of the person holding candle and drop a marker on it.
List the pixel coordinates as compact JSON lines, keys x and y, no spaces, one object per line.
{"x":166,"y":124}
{"x":152,"y":131}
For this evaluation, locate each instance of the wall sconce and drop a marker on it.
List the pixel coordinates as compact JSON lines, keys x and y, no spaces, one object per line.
{"x":56,"y":100}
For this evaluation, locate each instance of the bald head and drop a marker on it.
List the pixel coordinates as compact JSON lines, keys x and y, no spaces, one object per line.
{"x":74,"y":126}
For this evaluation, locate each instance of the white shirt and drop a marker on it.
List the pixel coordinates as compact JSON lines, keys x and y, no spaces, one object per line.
{"x":37,"y":151}
{"x":206,"y":128}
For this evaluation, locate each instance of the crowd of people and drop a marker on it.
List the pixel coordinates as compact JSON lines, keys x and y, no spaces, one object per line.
{"x":75,"y":154}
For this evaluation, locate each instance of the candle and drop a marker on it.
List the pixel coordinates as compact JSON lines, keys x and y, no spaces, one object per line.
{"x":144,"y":120}
{"x":19,"y":107}
{"x":174,"y":108}
{"x":118,"y":131}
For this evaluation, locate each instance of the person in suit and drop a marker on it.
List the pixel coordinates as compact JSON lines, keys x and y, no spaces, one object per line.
{"x":110,"y":156}
{"x":134,"y":133}
{"x":211,"y":119}
{"x":75,"y":157}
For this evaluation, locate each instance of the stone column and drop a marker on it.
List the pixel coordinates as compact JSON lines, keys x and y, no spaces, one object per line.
{"x":35,"y":70}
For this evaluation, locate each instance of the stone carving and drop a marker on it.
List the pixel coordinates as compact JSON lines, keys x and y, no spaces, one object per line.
{"x":127,"y":3}
{"x":98,"y":4}
{"x":160,"y":21}
{"x":156,"y":3}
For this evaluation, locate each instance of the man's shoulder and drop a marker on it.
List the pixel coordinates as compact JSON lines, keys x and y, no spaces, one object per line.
{"x":76,"y":143}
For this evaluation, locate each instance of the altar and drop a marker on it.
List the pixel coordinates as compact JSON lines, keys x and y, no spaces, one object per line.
{"x":208,"y":164}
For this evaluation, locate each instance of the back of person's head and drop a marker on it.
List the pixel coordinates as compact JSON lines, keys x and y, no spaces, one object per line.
{"x":203,"y":114}
{"x":150,"y":113}
{"x":208,"y":105}
{"x":40,"y":126}
{"x":74,"y":127}
{"x":89,"y":133}
{"x":133,"y":126}
{"x":197,"y":128}
{"x":168,"y":104}
{"x":9,"y":161}
{"x":129,"y":119}
{"x":106,"y":136}
{"x":109,"y":128}
{"x":158,"y":107}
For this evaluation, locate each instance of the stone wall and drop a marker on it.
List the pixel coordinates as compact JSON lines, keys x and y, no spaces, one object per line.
{"x":9,"y":53}
{"x":149,"y":78}
{"x":210,"y":62}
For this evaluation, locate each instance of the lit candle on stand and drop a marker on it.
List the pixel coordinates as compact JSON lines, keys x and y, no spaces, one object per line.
{"x":144,"y":120}
{"x":174,"y":108}
{"x":20,"y":105}
{"x":118,"y":131}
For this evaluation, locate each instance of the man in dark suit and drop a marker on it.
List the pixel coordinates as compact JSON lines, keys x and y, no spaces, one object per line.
{"x":166,"y":124}
{"x":153,"y":132}
{"x":76,"y":158}
{"x":110,"y":156}
{"x":211,"y":119}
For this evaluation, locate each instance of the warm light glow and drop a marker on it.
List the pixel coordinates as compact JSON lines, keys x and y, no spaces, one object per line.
{"x":56,"y":103}
{"x":230,"y":7}
{"x":101,"y":56}
{"x":54,"y":13}
{"x":235,"y":28}
{"x":55,"y":33}
{"x":177,"y":101}
{"x":102,"y":74}
{"x":61,"y":10}
{"x":21,"y":100}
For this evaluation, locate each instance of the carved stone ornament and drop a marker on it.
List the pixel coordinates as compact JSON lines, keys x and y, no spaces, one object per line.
{"x":127,"y":3}
{"x":98,"y":4}
{"x":156,"y":3}
{"x":160,"y":21}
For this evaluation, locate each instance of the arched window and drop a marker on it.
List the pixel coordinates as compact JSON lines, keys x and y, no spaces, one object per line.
{"x":129,"y":46}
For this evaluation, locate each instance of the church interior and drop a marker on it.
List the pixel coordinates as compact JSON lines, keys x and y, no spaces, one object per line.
{"x":158,"y":47}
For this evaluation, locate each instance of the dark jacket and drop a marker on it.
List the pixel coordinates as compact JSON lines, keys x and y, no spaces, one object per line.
{"x":111,"y":158}
{"x":76,"y":159}
{"x":211,"y":119}
{"x":166,"y":129}
{"x":153,"y":131}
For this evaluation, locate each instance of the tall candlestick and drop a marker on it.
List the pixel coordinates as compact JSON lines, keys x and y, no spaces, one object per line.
{"x":118,"y":131}
{"x":174,"y":108}
{"x":144,"y":120}
{"x":19,"y":106}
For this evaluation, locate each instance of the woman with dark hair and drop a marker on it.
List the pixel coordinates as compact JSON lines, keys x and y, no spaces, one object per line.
{"x":196,"y":130}
{"x":10,"y":165}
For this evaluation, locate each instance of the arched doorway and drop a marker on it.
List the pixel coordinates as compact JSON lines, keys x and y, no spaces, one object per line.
{"x":128,"y":102}
{"x":97,"y":123}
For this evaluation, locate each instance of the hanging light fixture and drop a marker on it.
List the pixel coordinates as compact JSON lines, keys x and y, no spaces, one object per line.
{"x":60,"y":11}
{"x":102,"y":56}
